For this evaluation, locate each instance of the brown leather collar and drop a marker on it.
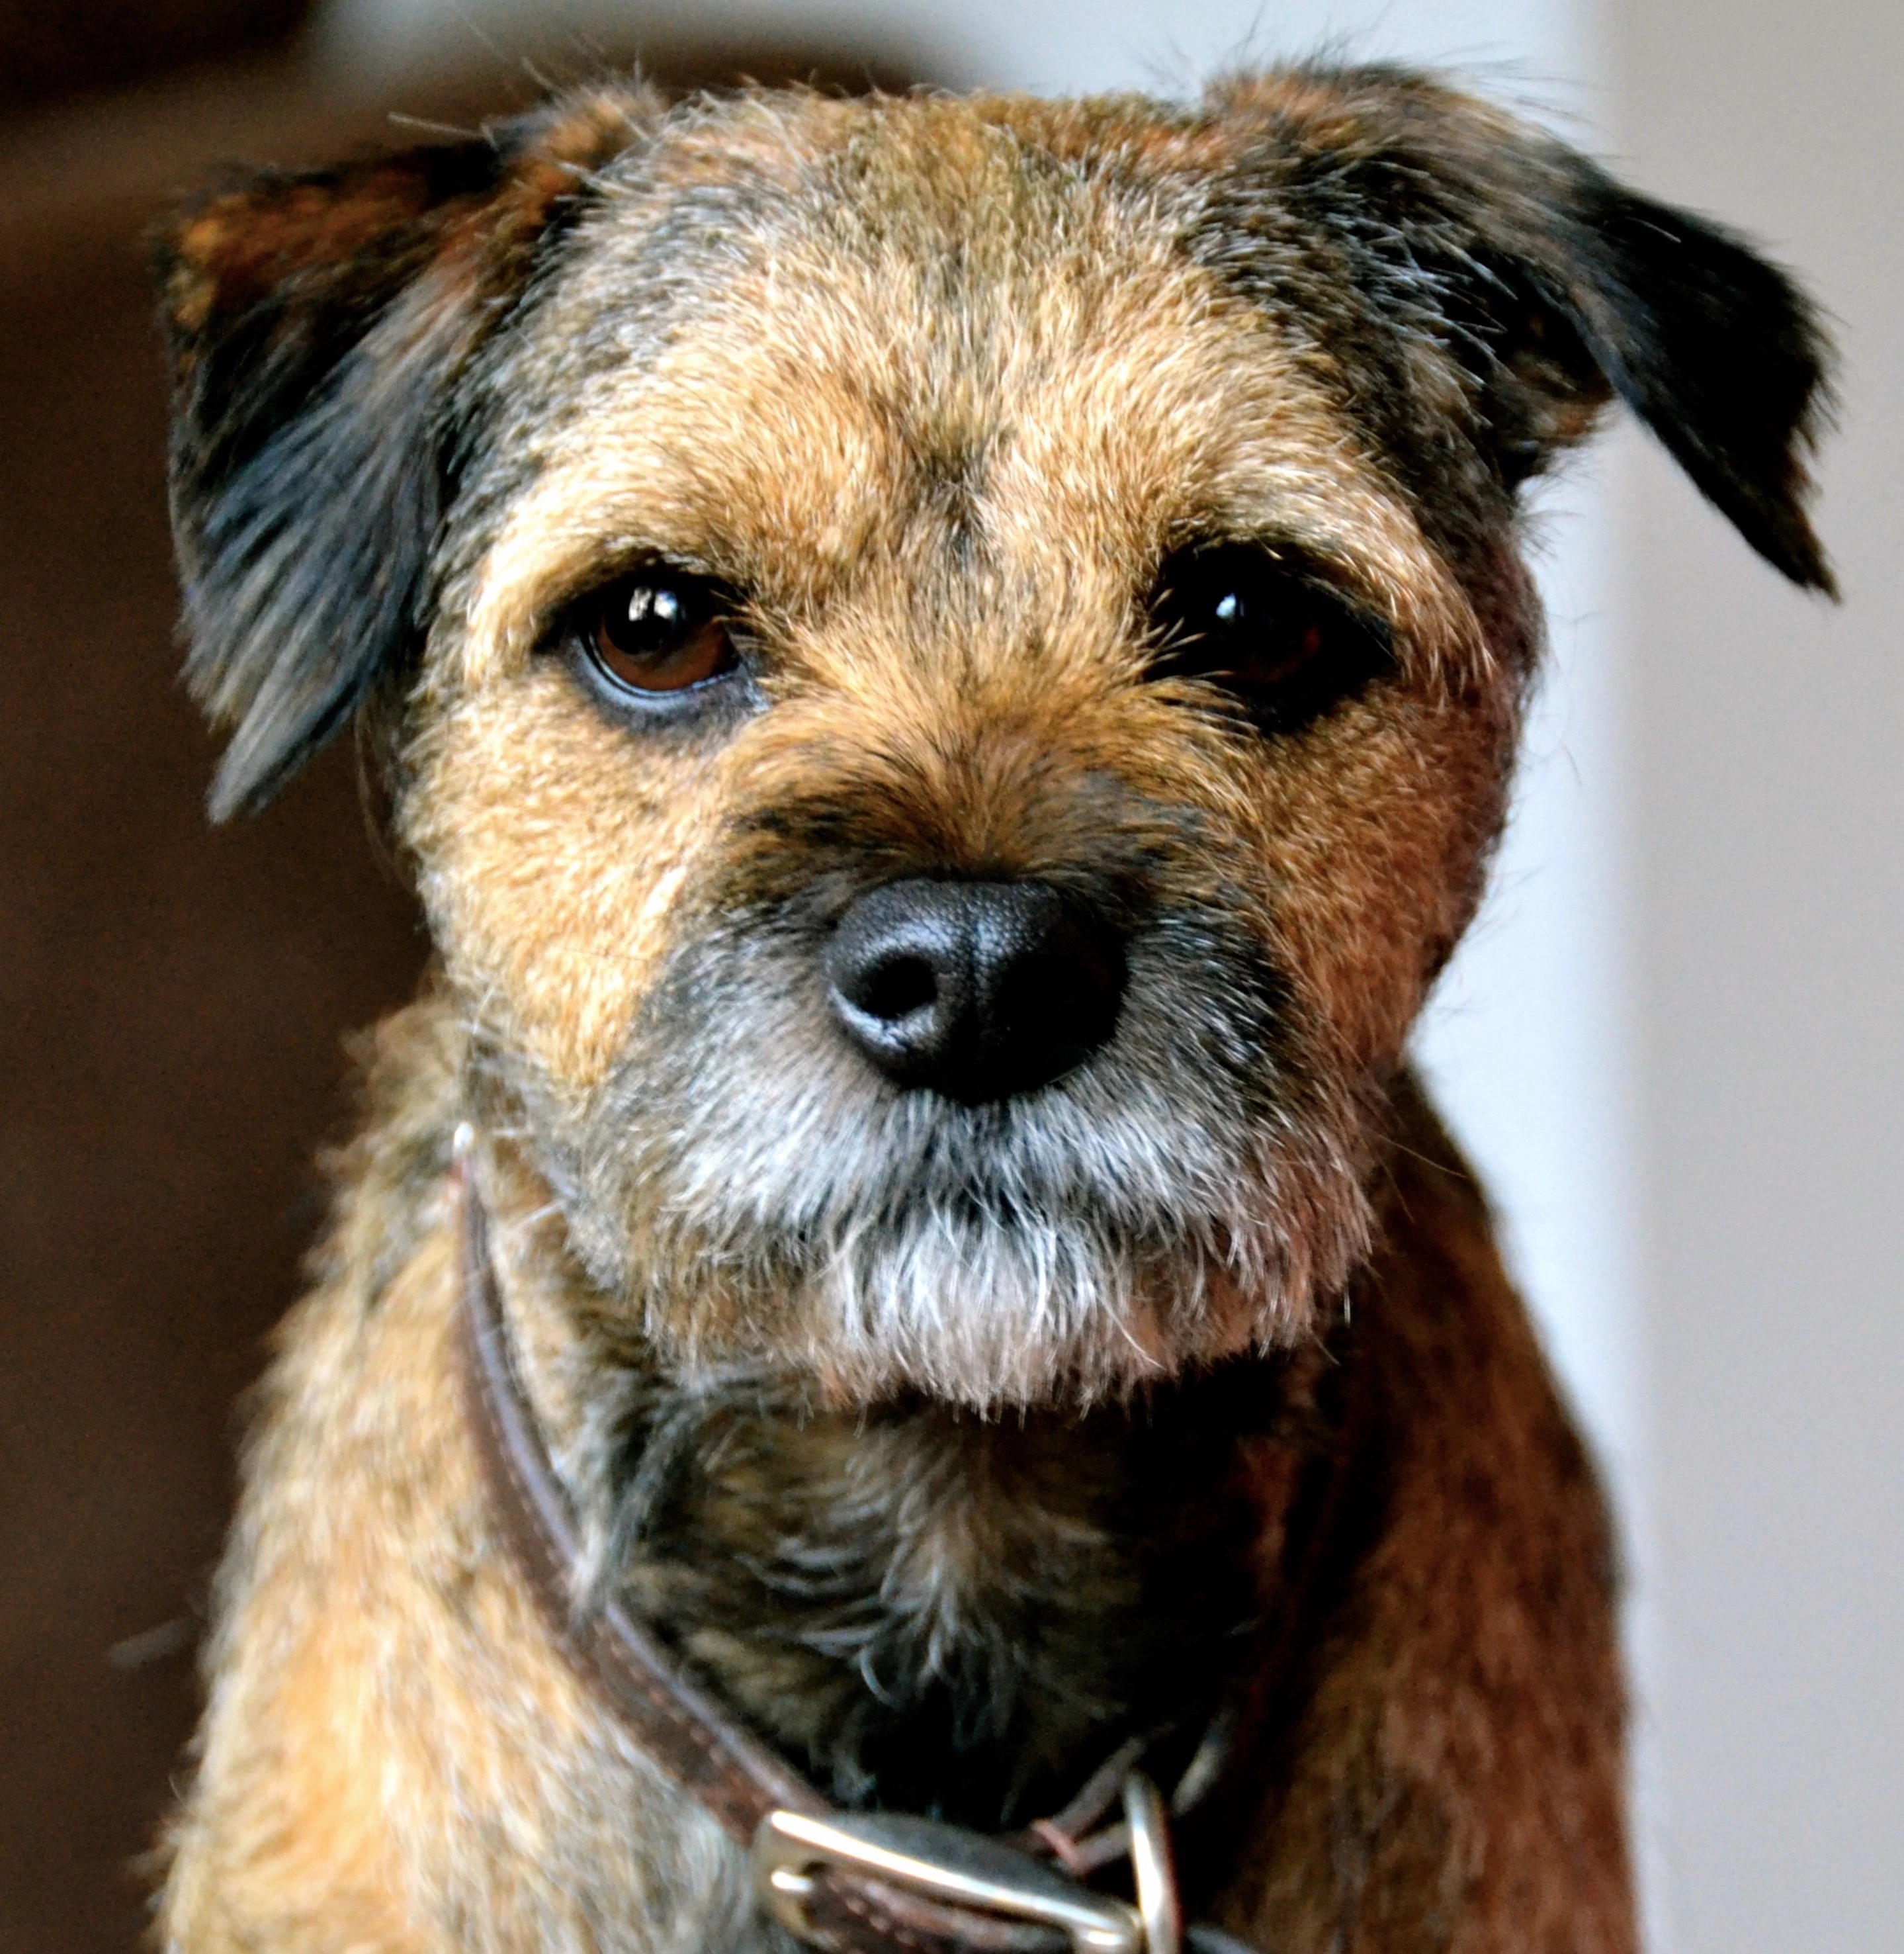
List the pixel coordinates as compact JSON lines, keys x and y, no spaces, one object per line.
{"x":848,"y":1884}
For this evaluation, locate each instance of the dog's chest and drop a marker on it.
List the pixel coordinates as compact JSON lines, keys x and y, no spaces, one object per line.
{"x":932,"y":1612}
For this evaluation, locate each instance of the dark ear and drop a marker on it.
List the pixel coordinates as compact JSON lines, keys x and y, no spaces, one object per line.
{"x":317,"y":324}
{"x":1717,"y":351}
{"x":1551,"y":285}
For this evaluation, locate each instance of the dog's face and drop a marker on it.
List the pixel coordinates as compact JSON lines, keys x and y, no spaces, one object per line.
{"x":952,"y":667}
{"x":870,"y":580}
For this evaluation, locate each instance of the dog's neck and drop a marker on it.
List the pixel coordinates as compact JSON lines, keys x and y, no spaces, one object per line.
{"x":925,"y":1610}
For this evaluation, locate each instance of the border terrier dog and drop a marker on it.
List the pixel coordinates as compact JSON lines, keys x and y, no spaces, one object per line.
{"x":946,"y":671}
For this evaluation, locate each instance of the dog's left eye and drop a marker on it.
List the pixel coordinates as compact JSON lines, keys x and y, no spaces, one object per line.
{"x":1267,"y":628}
{"x":658,"y":630}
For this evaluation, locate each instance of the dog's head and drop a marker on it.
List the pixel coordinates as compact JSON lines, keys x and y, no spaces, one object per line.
{"x":950,"y":667}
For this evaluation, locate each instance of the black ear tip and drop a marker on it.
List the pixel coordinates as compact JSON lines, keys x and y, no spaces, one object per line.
{"x":240,"y":788}
{"x":1810,"y":569}
{"x":234,"y":796}
{"x":1765,"y":499}
{"x":1814,"y":574}
{"x":279,"y":733}
{"x":1785,"y":538}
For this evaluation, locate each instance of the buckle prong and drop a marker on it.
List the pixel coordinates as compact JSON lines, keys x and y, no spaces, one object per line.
{"x":1153,"y":1866}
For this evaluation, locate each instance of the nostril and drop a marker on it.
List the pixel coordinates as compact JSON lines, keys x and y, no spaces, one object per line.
{"x":1056,"y":996}
{"x":896,"y":988}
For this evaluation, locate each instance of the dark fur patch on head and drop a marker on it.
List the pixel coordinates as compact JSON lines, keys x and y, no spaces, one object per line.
{"x":1478,"y":285}
{"x":316,"y":323}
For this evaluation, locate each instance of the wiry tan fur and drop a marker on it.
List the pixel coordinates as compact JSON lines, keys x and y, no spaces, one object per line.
{"x":948,"y":1443}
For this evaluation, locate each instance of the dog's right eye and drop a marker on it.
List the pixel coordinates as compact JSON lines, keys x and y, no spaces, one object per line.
{"x":657,"y":632}
{"x":1268,"y":627}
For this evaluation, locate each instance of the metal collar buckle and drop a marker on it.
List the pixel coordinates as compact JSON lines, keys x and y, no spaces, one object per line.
{"x":960,"y":1868}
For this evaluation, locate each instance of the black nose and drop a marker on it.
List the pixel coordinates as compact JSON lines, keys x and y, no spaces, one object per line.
{"x":976,"y":990}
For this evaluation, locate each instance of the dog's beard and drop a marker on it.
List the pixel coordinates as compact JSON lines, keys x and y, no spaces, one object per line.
{"x":760,"y":1196}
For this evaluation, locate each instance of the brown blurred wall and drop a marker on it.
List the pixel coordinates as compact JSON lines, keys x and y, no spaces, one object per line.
{"x":50,"y":53}
{"x":171,"y":1005}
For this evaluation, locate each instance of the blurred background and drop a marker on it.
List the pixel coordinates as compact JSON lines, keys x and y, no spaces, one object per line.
{"x":1674,"y":1042}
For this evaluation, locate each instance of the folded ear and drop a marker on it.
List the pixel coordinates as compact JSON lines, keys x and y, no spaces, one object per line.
{"x":317,"y":324}
{"x":1548,"y":284}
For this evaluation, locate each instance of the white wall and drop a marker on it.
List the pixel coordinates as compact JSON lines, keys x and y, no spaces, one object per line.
{"x":1768,"y":765}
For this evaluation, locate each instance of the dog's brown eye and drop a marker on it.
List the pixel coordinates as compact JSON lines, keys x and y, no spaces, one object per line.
{"x":1265,"y":626}
{"x":658,"y":630}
